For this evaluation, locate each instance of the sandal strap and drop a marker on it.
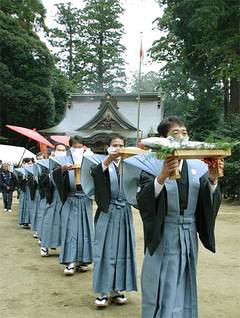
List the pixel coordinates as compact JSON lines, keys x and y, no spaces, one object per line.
{"x":102,"y":298}
{"x":118,"y":296}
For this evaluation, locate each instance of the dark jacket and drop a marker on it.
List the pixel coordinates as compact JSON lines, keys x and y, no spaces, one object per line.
{"x":102,"y":189}
{"x":153,"y":212}
{"x":46,"y":188}
{"x":8,"y":181}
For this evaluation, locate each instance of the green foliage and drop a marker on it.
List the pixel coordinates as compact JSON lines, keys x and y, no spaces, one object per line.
{"x":150,"y":82}
{"x":61,"y":88}
{"x":88,"y":44}
{"x":66,"y":38}
{"x":203,"y":36}
{"x":103,"y":32}
{"x":229,"y":130}
{"x":29,"y":13}
{"x":30,"y":86}
{"x":25,"y":76}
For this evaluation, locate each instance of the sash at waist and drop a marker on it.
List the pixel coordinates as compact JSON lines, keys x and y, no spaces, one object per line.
{"x":76,"y":194}
{"x":119,"y":203}
{"x":179,"y":220}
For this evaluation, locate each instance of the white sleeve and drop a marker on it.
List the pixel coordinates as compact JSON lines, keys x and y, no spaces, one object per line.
{"x":157,"y":187}
{"x":104,"y":168}
{"x":212,"y":187}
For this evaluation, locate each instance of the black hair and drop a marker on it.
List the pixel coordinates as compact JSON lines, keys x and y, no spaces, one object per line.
{"x":59,"y":144}
{"x":167,"y":123}
{"x":75,"y":140}
{"x":27,"y":160}
{"x":114,"y":136}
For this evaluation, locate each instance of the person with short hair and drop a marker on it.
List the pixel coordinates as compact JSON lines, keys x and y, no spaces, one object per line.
{"x":114,"y":243}
{"x":8,"y":183}
{"x":50,"y":234}
{"x":173,"y":211}
{"x":76,"y":213}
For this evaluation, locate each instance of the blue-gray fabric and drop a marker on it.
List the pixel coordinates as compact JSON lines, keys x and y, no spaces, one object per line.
{"x":86,"y":179}
{"x":24,"y":207}
{"x":50,"y":230}
{"x":114,"y":243}
{"x":169,"y":287}
{"x":34,"y":204}
{"x":21,"y":207}
{"x":132,"y":168}
{"x":40,"y":211}
{"x":76,"y":229}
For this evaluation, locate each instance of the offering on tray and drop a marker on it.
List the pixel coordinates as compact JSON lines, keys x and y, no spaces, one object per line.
{"x":211,"y":153}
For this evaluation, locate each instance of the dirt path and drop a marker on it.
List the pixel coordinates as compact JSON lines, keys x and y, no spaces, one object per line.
{"x":31,"y":286}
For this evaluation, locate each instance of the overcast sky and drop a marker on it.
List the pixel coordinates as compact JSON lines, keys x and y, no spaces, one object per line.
{"x":138,"y":17}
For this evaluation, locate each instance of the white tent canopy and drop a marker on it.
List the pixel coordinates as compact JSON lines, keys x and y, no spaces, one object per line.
{"x":13,"y":154}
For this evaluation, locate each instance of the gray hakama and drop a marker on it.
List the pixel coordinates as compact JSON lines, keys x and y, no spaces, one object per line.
{"x":24,"y":213}
{"x":34,"y":210}
{"x":169,"y":287}
{"x":114,"y":250}
{"x":76,"y":229}
{"x":23,"y":216}
{"x":41,"y":169}
{"x":40,"y":211}
{"x":50,"y":230}
{"x":76,"y":217}
{"x":34,"y":197}
{"x":114,"y":242}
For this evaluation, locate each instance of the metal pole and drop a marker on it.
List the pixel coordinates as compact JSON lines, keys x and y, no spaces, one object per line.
{"x":139,"y":89}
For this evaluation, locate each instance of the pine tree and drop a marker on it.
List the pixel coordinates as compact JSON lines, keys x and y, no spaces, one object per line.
{"x":66,"y":38}
{"x":104,"y":56}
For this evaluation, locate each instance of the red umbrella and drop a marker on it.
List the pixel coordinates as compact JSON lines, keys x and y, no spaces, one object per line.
{"x":61,"y":139}
{"x":32,"y":134}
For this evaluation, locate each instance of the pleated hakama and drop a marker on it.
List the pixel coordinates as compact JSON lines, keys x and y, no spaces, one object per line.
{"x":76,"y":229}
{"x":24,"y":207}
{"x":114,"y":250}
{"x":50,"y":231}
{"x":169,"y":275}
{"x":33,"y":210}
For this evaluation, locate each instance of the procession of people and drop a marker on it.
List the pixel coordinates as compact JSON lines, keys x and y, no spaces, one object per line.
{"x":56,"y":197}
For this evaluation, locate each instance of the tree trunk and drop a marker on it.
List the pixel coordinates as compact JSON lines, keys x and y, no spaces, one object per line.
{"x":70,"y":71}
{"x":100,"y":64}
{"x":235,"y":96}
{"x":226,"y":97}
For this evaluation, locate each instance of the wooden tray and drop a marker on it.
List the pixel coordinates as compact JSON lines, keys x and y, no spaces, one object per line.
{"x":200,"y":153}
{"x":130,"y":151}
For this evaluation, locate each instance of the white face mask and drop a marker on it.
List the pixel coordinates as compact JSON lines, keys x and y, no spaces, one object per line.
{"x":60,"y":153}
{"x":77,"y":154}
{"x":26,"y":164}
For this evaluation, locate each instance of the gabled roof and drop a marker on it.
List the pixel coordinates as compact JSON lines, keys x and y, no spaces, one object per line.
{"x":108,"y":117}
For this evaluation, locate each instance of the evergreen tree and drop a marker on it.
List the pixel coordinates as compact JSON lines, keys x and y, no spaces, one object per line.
{"x":25,"y":75}
{"x":67,"y":39}
{"x":30,"y":85}
{"x":150,"y":82}
{"x":104,"y":55}
{"x":204,"y":36}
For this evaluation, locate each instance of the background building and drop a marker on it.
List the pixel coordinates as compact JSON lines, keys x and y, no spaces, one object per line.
{"x":96,"y":116}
